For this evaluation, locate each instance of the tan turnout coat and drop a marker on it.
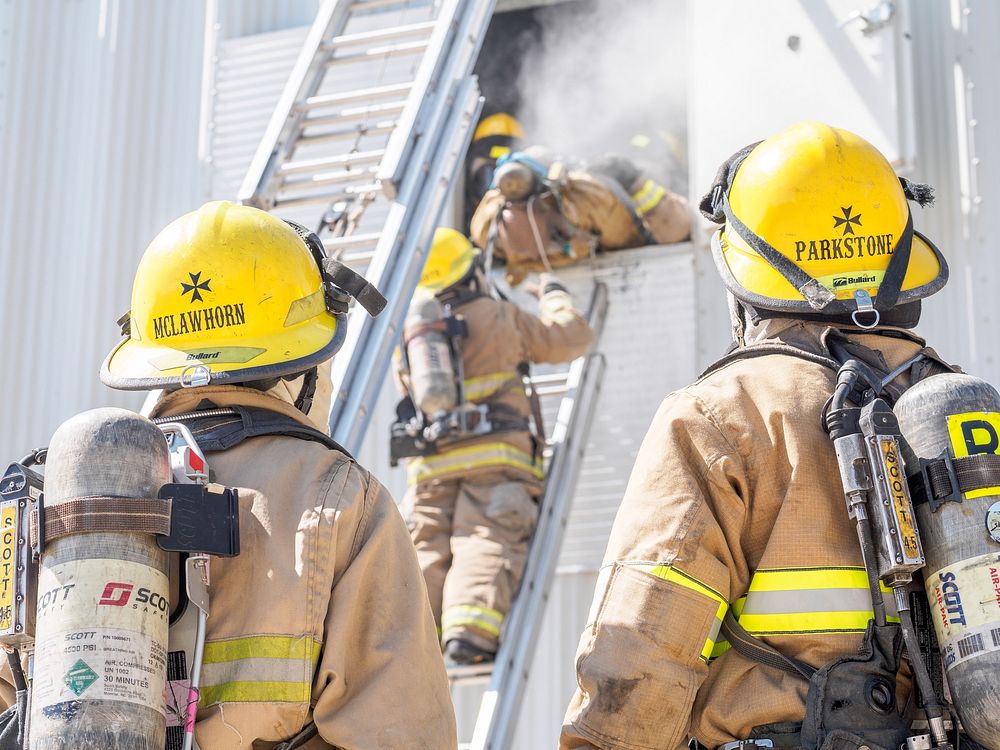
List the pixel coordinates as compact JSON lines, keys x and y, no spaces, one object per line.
{"x":735,"y":500}
{"x":324,"y":615}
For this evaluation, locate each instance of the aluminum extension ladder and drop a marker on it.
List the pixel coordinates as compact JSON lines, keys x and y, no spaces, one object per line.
{"x":508,"y":676}
{"x":371,"y":168}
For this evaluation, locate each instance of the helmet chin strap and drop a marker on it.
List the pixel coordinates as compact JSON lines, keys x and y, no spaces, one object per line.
{"x":305,"y":398}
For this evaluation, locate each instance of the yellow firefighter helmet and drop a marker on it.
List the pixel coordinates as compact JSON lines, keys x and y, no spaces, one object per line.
{"x":225,"y":294}
{"x":817,"y":221}
{"x":499,"y":124}
{"x":450,"y":260}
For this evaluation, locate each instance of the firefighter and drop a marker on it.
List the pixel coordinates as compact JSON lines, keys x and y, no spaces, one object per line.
{"x":735,"y":503}
{"x":544,"y":211}
{"x":472,"y":505}
{"x":323,"y":617}
{"x":496,"y":135}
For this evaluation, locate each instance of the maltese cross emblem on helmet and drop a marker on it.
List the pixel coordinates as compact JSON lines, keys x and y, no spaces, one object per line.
{"x":196,"y":287}
{"x":847,"y":220}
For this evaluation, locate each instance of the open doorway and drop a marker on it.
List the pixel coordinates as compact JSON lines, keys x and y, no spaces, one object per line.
{"x":587,"y":78}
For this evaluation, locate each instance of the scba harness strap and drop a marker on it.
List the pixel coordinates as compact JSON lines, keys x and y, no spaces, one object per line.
{"x":222,"y":429}
{"x":851,"y":700}
{"x":219,"y":429}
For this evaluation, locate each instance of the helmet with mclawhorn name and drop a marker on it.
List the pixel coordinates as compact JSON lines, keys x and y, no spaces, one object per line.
{"x":818,"y":223}
{"x":231,"y":294}
{"x":451,"y":260}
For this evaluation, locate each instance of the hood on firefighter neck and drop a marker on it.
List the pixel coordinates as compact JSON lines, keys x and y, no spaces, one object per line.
{"x":280,"y":397}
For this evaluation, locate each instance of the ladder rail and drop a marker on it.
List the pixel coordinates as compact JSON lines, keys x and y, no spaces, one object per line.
{"x":460,"y":23}
{"x":501,"y":702}
{"x":303,"y":83}
{"x":396,"y":265}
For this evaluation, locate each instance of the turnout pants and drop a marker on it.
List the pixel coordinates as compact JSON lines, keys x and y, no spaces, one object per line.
{"x":471,"y":537}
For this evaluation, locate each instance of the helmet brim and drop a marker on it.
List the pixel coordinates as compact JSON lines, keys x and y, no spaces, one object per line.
{"x":137,"y":366}
{"x":753,"y":280}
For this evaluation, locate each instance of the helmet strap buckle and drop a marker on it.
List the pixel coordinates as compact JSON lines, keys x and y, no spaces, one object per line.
{"x":865,"y":306}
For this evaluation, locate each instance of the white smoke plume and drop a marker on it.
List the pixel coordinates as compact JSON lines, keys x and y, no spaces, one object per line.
{"x":605,"y":71}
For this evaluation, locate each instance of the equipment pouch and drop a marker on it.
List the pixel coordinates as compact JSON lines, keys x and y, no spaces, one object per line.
{"x":12,"y":723}
{"x":852,"y":700}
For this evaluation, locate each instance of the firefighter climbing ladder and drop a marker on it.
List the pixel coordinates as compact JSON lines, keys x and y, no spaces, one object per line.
{"x":501,"y":702}
{"x":378,"y":162}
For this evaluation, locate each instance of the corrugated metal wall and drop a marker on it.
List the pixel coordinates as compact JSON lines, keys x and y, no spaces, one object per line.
{"x":956,"y":59}
{"x":99,"y":104}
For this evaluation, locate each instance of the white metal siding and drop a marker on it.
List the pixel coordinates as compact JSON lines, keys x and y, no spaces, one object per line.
{"x":98,"y":140}
{"x":956,"y":59}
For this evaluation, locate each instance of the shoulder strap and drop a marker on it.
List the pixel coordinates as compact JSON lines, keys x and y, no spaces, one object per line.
{"x":221,"y":431}
{"x":753,"y":648}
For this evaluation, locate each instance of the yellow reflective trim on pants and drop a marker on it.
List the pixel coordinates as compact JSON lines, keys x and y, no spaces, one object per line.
{"x":258,"y":691}
{"x":672,"y":574}
{"x":465,"y":615}
{"x":271,"y":659}
{"x":484,"y":386}
{"x":484,"y":455}
{"x":648,"y":196}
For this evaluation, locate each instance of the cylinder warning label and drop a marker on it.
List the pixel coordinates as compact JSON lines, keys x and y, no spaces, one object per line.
{"x":101,"y":633}
{"x":965,"y":598}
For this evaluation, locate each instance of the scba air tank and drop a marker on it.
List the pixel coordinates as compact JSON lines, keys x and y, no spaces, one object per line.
{"x":103,"y":612}
{"x":959,"y":415}
{"x":432,"y":373}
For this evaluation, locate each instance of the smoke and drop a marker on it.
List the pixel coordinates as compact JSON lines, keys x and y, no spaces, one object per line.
{"x":605,"y":71}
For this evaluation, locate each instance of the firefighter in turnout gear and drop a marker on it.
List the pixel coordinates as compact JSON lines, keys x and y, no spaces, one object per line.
{"x":735,"y":510}
{"x":496,"y":135}
{"x":323,"y":617}
{"x":472,"y":499}
{"x":543,"y":211}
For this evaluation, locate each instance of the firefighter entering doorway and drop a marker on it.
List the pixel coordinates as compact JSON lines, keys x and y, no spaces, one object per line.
{"x":475,"y":480}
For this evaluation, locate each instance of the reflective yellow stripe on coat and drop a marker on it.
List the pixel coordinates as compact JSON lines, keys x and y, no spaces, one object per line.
{"x":672,"y":574}
{"x":467,"y":615}
{"x":648,"y":196}
{"x":259,"y":669}
{"x":422,"y":469}
{"x":483,"y":386}
{"x":807,"y":601}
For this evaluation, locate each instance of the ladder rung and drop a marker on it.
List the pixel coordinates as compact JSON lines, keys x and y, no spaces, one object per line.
{"x":381,"y":35}
{"x":470,"y":673}
{"x":352,"y":240}
{"x":333,"y":178}
{"x":358,"y":158}
{"x":374,"y":53}
{"x":307,"y":199}
{"x":355,"y":131}
{"x":361,"y":95}
{"x":552,"y":377}
{"x":355,"y":113}
{"x":357,"y":259}
{"x":553,"y":390}
{"x":363,"y":5}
